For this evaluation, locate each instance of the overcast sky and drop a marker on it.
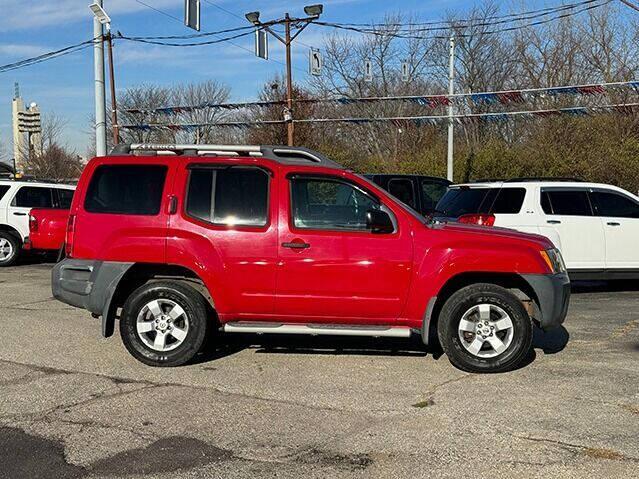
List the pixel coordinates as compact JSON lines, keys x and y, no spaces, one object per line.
{"x":65,"y":85}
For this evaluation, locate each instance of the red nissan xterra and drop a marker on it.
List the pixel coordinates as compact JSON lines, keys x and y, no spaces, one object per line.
{"x":181,"y":240}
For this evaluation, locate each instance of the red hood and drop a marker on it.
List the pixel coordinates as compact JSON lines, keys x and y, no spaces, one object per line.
{"x":486,"y":232}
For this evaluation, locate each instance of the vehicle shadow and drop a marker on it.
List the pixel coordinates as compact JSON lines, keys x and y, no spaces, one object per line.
{"x":550,"y":342}
{"x":230,"y":344}
{"x":619,"y":285}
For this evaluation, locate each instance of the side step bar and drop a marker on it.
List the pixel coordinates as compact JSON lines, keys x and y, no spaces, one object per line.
{"x":317,"y":329}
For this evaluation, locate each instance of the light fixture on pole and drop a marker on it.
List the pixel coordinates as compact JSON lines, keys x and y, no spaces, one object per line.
{"x":313,"y":12}
{"x":103,"y":18}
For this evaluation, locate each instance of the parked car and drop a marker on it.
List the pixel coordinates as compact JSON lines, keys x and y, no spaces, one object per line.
{"x":596,"y":226}
{"x":282,"y":240}
{"x":47,"y":229}
{"x":422,"y":193}
{"x":17,"y":198}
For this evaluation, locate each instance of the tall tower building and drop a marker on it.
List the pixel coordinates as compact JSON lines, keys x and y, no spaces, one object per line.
{"x":27,"y":130}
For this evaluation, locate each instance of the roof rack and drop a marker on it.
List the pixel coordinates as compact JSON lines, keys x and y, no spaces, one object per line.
{"x":543,"y":178}
{"x":526,"y":179}
{"x":283,"y":154}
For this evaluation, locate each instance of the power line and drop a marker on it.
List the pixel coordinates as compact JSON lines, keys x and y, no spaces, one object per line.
{"x":47,"y":56}
{"x":472,"y":20}
{"x":387,"y":32}
{"x":162,"y":12}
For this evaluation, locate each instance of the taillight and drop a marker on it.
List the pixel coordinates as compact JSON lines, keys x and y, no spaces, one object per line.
{"x":477,"y":219}
{"x":33,"y":224}
{"x":68,"y":247}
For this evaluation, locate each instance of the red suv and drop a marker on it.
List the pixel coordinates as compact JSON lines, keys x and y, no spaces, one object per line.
{"x":178,"y":241}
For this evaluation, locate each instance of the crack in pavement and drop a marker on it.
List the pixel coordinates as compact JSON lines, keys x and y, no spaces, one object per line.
{"x":590,"y":451}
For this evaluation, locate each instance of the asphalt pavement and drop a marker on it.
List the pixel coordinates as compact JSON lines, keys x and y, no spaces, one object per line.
{"x":75,"y":405}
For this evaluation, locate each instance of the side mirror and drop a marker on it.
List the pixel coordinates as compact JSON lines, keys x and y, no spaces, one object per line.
{"x":379,"y":222}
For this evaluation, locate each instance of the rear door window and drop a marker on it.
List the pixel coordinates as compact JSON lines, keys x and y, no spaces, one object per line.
{"x":609,"y":203}
{"x":565,"y":202}
{"x":64,"y":198}
{"x":3,"y":190}
{"x":402,"y":189}
{"x":126,"y":189}
{"x":228,"y":196}
{"x":33,"y":197}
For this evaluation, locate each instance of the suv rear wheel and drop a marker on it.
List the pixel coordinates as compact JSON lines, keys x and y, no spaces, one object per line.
{"x":484,"y":328}
{"x":9,"y":248}
{"x":164,"y":323}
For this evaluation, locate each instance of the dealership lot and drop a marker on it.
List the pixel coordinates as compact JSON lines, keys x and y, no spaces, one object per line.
{"x":76,"y":405}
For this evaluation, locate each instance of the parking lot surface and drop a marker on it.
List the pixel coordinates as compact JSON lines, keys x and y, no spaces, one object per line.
{"x":73,"y":404}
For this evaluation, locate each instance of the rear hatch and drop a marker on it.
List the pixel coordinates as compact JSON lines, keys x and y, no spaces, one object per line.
{"x":479,"y":203}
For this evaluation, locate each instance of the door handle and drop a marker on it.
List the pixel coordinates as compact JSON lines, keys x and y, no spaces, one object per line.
{"x":296,"y":245}
{"x":173,"y":205}
{"x":553,"y":222}
{"x":19,"y":214}
{"x":613,"y":223}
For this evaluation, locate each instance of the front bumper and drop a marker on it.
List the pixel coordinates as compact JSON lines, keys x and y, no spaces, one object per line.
{"x":553,"y":295}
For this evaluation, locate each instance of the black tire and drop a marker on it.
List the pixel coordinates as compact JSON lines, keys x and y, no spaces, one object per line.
{"x":461,"y":302}
{"x":195,"y":309}
{"x":15,"y":244}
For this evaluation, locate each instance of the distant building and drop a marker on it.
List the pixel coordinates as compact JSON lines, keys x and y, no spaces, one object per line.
{"x":27,"y":130}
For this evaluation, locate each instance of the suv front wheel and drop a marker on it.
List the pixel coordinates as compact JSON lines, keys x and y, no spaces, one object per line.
{"x":164,"y":323}
{"x":484,"y":328}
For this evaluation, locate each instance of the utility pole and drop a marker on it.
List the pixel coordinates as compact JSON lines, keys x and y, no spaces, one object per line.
{"x":313,"y":12}
{"x":289,"y":79}
{"x":114,"y":105}
{"x":451,"y":91}
{"x":98,"y":68}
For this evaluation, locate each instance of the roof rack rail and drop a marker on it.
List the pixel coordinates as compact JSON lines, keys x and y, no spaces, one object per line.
{"x":544,"y":178}
{"x":282,"y":154}
{"x":526,"y":179}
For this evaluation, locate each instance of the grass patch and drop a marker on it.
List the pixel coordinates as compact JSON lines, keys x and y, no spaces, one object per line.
{"x":424,"y":403}
{"x":601,"y":453}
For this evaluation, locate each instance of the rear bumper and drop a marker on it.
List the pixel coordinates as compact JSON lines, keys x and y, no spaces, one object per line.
{"x":87,"y":284}
{"x":553,"y":294}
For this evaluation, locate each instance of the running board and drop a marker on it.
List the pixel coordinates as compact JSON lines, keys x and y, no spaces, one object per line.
{"x":317,"y":329}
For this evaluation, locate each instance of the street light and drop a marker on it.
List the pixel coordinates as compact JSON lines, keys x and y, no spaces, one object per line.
{"x":100,"y":14}
{"x":104,"y":19}
{"x":253,"y":17}
{"x":313,"y":12}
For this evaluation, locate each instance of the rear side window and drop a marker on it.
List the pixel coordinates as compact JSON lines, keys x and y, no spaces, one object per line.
{"x":64,"y":198}
{"x":3,"y":190}
{"x":403,"y":190}
{"x":509,"y":201}
{"x":126,"y":189}
{"x":608,"y":203}
{"x":566,"y":202}
{"x":228,"y":196}
{"x":33,"y":197}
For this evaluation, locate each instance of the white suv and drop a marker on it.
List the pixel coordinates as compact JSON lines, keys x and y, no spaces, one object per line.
{"x":596,"y":226}
{"x":17,"y":197}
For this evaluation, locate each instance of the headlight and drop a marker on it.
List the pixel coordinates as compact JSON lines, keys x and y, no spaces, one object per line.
{"x":554,"y":260}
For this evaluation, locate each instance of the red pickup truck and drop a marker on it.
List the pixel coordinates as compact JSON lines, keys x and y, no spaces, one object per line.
{"x":185,"y":240}
{"x":47,"y":229}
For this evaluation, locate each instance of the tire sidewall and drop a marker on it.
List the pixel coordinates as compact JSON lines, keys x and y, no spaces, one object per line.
{"x":15,"y":243}
{"x":459,"y":304}
{"x":192,"y":304}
